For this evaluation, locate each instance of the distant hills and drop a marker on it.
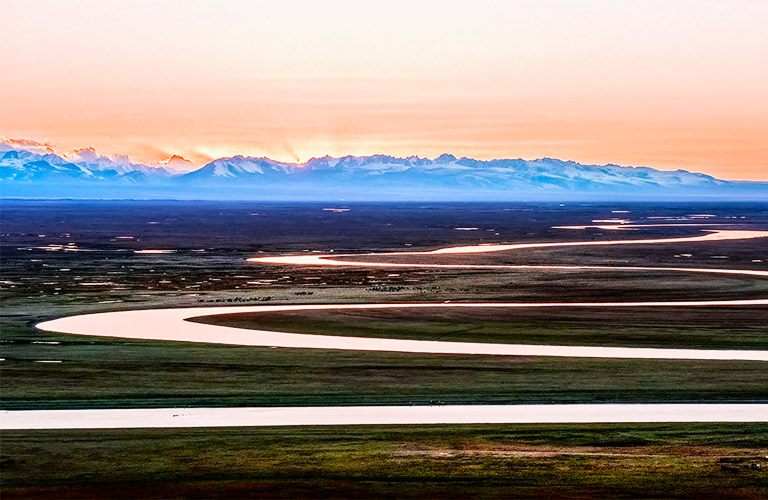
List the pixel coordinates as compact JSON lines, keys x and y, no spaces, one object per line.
{"x":35,"y":173}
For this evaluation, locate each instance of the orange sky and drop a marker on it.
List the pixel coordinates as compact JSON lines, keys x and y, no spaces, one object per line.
{"x":670,"y":84}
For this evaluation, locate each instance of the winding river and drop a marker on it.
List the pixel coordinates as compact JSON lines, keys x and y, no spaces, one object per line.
{"x":172,"y":325}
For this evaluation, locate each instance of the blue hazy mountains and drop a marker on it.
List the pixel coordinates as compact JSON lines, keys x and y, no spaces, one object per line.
{"x":39,"y":174}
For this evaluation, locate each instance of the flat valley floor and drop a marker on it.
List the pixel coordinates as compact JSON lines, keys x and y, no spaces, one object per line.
{"x":66,"y":258}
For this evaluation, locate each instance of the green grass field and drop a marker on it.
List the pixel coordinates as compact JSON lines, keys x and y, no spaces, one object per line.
{"x":521,"y":461}
{"x":511,"y":461}
{"x":105,"y":373}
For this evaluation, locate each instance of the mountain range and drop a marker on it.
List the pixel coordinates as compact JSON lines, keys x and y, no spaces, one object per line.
{"x":32,"y":172}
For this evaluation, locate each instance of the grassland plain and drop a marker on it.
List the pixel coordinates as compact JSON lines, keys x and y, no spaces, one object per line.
{"x":690,"y":461}
{"x":84,"y":262}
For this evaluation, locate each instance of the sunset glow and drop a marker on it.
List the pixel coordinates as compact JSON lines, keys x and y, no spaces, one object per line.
{"x":668,"y":84}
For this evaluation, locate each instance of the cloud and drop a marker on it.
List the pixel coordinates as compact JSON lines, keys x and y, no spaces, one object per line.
{"x":175,"y":163}
{"x":41,"y":148}
{"x":121,"y":159}
{"x":83,"y":154}
{"x":89,"y":155}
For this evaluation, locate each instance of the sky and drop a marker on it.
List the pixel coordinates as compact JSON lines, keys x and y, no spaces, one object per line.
{"x":668,"y":84}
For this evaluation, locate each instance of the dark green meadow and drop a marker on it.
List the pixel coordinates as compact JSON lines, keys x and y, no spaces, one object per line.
{"x":148,"y":374}
{"x":521,"y":461}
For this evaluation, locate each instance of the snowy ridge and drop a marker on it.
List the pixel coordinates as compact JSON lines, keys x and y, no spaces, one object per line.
{"x":28,"y":170}
{"x":84,"y":165}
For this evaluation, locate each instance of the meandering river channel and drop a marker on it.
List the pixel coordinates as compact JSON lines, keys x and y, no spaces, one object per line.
{"x":172,"y":325}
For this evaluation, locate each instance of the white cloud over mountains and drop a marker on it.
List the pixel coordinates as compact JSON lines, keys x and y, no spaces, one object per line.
{"x":41,"y":148}
{"x":174,"y":164}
